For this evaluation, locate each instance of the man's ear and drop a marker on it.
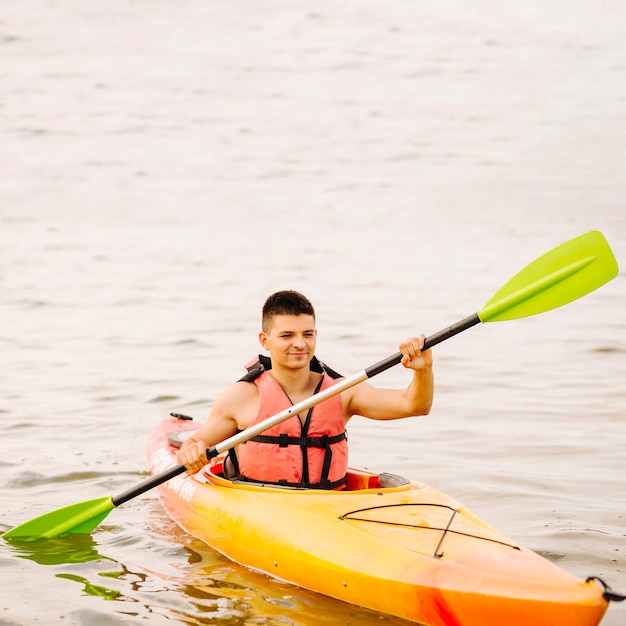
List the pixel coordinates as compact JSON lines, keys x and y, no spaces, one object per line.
{"x":263,"y":340}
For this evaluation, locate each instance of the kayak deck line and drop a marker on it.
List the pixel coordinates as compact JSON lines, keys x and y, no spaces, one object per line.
{"x":407,"y":550}
{"x":445,"y":530}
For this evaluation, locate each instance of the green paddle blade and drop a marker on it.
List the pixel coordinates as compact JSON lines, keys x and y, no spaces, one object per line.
{"x":566,"y":273}
{"x":79,"y":519}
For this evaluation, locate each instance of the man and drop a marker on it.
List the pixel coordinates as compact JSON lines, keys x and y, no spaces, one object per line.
{"x":308,"y":450}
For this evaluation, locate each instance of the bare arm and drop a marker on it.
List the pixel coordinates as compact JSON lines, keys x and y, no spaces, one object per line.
{"x":220,"y":425}
{"x":388,"y":404}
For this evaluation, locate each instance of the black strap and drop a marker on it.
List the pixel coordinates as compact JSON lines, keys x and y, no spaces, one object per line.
{"x":283,"y":440}
{"x":609,"y":595}
{"x":264,"y":364}
{"x":232,"y":457}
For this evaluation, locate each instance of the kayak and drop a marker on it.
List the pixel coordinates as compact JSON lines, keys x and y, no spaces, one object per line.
{"x":385,"y":543}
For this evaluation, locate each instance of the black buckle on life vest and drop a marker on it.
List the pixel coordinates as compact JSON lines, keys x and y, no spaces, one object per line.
{"x":324,"y":441}
{"x":316,"y":442}
{"x":283,"y":440}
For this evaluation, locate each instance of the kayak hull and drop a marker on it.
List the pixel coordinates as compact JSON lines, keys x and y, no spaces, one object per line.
{"x":407,"y":550}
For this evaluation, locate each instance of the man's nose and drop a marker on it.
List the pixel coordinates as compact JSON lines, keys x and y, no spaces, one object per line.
{"x":298,"y":340}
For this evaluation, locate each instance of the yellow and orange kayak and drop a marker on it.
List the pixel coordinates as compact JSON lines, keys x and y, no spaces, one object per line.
{"x":391,"y":545}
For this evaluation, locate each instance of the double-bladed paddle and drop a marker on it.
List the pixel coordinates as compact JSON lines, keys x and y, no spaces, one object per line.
{"x":566,"y":273}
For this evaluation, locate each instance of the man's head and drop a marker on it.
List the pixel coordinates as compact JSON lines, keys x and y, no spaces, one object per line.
{"x":285,"y":303}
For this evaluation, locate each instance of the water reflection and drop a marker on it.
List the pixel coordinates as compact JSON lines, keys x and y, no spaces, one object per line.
{"x":218,"y":588}
{"x":60,"y":551}
{"x":91,"y":589}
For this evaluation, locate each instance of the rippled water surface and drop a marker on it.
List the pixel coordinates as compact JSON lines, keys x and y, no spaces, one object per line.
{"x":165,"y":166}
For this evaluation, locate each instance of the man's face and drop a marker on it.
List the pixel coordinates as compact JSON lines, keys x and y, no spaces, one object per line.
{"x":290,"y":340}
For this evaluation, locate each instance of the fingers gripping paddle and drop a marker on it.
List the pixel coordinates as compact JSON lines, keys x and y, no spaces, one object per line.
{"x":564,"y":274}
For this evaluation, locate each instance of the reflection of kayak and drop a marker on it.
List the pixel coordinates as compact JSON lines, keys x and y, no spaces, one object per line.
{"x":394,"y":546}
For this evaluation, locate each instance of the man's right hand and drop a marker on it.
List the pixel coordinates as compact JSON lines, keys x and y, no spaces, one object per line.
{"x":193,"y":455}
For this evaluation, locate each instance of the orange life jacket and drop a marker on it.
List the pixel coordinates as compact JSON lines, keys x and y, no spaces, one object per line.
{"x":313,"y":454}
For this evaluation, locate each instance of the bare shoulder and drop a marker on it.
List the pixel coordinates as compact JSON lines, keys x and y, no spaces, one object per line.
{"x":234,"y":394}
{"x":238,"y":402}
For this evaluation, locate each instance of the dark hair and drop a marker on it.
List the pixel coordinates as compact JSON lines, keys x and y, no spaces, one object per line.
{"x":286,"y":303}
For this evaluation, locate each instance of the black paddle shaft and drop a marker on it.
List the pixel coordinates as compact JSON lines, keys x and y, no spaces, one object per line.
{"x":148,"y":484}
{"x":431,"y":341}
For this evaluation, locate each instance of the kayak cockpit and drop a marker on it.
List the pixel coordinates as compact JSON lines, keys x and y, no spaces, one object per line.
{"x":357,"y":479}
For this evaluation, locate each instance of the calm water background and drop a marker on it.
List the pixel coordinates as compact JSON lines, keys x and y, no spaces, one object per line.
{"x":165,"y":166}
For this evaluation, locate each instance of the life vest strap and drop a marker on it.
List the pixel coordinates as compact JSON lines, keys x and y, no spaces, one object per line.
{"x":283,"y":440}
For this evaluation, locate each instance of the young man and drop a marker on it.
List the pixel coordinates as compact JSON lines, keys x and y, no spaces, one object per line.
{"x":308,"y":450}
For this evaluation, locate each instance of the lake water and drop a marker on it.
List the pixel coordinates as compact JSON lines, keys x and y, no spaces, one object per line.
{"x":165,"y":166}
